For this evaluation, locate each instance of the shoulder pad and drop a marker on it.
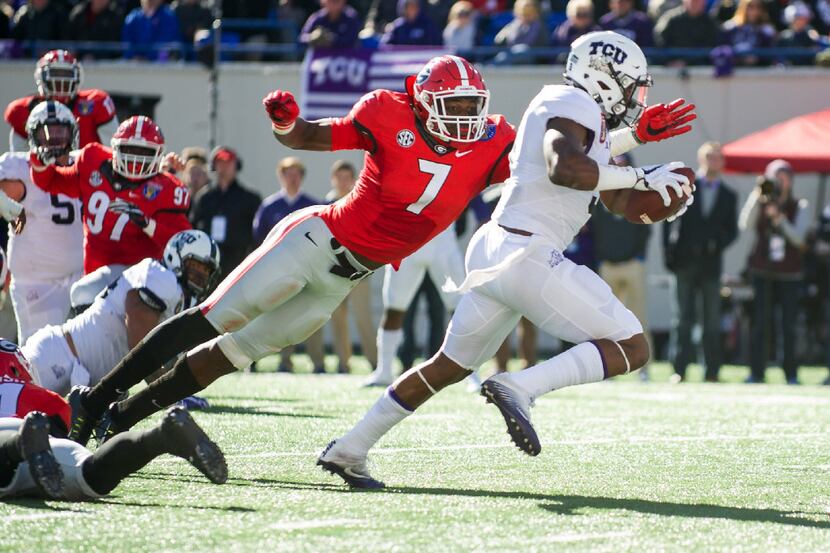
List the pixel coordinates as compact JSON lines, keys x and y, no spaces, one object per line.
{"x":151,"y":300}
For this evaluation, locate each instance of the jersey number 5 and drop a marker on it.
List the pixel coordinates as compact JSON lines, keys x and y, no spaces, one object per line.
{"x":66,"y":215}
{"x":439,"y":172}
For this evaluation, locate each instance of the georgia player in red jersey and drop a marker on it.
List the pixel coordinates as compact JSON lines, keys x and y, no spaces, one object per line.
{"x":58,"y":76}
{"x":131,"y":209}
{"x":429,"y":151}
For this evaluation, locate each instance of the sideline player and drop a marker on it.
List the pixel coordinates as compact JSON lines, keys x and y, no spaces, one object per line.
{"x":85,"y":348}
{"x":58,"y":76}
{"x":559,"y":166}
{"x":428,"y":152}
{"x":46,"y":236}
{"x":33,"y":463}
{"x":131,"y":208}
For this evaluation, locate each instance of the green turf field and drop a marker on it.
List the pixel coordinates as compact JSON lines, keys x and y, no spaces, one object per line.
{"x":625,"y":466}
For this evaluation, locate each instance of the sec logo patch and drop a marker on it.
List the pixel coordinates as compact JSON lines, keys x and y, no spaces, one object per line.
{"x":95,"y":179}
{"x":406,"y":138}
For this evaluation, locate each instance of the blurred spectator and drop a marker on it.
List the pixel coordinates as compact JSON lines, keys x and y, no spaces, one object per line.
{"x":153,"y":23}
{"x":620,"y":249}
{"x":749,"y":29}
{"x":194,"y":175}
{"x":627,"y":21}
{"x":693,"y":248}
{"x":776,"y":265}
{"x":6,"y":16}
{"x":527,"y":27}
{"x":657,"y":8}
{"x":192,"y":16}
{"x":288,"y":12}
{"x":460,"y":32}
{"x":335,"y":25}
{"x":799,"y":33}
{"x":412,"y":27}
{"x":290,"y":198}
{"x":226,"y":210}
{"x":39,"y":20}
{"x":359,"y":300}
{"x":381,"y":13}
{"x":580,"y":21}
{"x":687,"y":26}
{"x":98,"y":21}
{"x":290,"y":174}
{"x":488,"y":7}
{"x":438,"y":11}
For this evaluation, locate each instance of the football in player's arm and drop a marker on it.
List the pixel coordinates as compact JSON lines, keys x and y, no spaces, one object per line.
{"x":37,"y":461}
{"x":58,"y":77}
{"x":131,"y":207}
{"x":429,"y":151}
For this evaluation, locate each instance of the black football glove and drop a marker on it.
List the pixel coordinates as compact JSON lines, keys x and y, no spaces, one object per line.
{"x":131,"y":210}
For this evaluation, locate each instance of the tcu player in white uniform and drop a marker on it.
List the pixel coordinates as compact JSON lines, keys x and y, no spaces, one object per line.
{"x":46,"y":237}
{"x":559,"y":167}
{"x":85,"y":348}
{"x":441,"y":258}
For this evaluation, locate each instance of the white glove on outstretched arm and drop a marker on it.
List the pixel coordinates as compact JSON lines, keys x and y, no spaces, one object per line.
{"x":660,"y":178}
{"x":9,"y":209}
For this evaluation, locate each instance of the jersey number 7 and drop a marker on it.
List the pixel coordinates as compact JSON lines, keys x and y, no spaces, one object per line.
{"x":439,"y":172}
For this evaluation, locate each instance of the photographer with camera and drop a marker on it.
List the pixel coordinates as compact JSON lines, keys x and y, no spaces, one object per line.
{"x":781,"y":222}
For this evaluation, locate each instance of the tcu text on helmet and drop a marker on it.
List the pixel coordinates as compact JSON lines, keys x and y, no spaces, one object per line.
{"x":609,"y":51}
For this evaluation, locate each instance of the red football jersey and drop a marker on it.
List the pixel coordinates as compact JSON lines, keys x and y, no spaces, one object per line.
{"x":110,"y":237}
{"x":412,"y":186}
{"x":92,"y":108}
{"x":19,"y":398}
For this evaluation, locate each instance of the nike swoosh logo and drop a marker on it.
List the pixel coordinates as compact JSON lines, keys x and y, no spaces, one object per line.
{"x":460,"y":154}
{"x":308,"y":235}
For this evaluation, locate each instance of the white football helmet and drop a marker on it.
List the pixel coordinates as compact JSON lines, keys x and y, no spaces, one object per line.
{"x":614,"y":71}
{"x":52,"y":131}
{"x":198,"y":246}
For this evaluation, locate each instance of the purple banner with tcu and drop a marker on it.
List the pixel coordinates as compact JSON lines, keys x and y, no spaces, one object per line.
{"x":334,"y":80}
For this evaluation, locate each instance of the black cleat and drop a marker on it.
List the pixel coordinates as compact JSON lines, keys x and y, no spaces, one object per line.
{"x":188,"y":441}
{"x":352,"y":471}
{"x":33,"y":442}
{"x":82,"y":422}
{"x":106,"y":427}
{"x":516,"y":415}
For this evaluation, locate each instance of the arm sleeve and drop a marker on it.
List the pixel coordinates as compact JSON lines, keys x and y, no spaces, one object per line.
{"x":796,"y":233}
{"x":749,"y":212}
{"x":59,"y":180}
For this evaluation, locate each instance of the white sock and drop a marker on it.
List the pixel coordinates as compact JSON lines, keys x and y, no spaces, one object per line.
{"x":388,"y":342}
{"x":384,"y":414}
{"x":579,"y":365}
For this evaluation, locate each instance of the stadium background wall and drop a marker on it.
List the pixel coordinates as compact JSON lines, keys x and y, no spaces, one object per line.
{"x":729,"y":108}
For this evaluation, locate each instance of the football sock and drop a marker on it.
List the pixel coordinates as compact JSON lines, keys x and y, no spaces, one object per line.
{"x":387,"y":411}
{"x":121,"y":456}
{"x":171,"y":387}
{"x":579,"y":365}
{"x":388,"y":343}
{"x":180,"y":333}
{"x":9,"y":456}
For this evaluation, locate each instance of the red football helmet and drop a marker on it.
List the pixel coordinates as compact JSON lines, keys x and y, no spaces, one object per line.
{"x":12,"y":363}
{"x":137,"y":148}
{"x":443,"y":79}
{"x":58,"y":76}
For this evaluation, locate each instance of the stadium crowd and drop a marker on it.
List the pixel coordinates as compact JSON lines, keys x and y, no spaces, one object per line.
{"x":722,"y":32}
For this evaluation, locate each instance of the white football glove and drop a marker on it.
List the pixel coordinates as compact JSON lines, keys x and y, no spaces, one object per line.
{"x":9,"y":209}
{"x":684,"y":207}
{"x":661,"y":179}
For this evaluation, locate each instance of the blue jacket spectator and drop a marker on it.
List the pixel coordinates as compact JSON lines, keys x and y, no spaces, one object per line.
{"x":152,"y":23}
{"x":336,"y":25}
{"x":274,"y":208}
{"x":412,"y":27}
{"x":527,"y":27}
{"x":580,"y":22}
{"x":749,"y":29}
{"x":39,"y":20}
{"x":627,"y":21}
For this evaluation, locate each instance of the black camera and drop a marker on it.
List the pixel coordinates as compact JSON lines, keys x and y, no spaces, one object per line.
{"x":769,"y":188}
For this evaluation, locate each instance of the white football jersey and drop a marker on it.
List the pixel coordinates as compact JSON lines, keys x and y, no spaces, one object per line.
{"x":529,"y":200}
{"x":100,"y":332}
{"x":51,"y":244}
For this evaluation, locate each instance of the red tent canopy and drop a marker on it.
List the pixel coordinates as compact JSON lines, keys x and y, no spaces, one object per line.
{"x":804,"y":141}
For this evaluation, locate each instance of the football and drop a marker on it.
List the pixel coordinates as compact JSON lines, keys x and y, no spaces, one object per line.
{"x":645,"y":207}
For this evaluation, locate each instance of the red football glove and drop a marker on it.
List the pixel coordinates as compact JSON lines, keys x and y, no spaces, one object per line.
{"x":662,"y":121}
{"x":282,"y":109}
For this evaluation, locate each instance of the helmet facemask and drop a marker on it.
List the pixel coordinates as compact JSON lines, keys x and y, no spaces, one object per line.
{"x":136,"y":159}
{"x":446,"y":117}
{"x":198,"y":276}
{"x":59,"y":83}
{"x":628,"y":100}
{"x":53,"y":139}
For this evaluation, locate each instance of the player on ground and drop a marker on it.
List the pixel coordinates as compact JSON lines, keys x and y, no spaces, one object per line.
{"x":85,"y":348}
{"x":46,"y":236}
{"x":58,"y":77}
{"x":34,"y":463}
{"x":428,"y":152}
{"x":131,"y":208}
{"x":559,"y":167}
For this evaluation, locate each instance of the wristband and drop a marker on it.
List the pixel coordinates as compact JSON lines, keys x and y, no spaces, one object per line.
{"x":623,"y":141}
{"x":283,"y":130}
{"x":616,"y":178}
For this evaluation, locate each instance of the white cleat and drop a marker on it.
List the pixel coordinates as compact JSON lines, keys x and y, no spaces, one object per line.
{"x":379,"y":379}
{"x":351,"y":469}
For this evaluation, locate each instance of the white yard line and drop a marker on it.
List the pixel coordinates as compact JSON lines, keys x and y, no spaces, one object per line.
{"x":566,"y":538}
{"x":38,"y":516}
{"x":310,"y":524}
{"x":629,"y":440}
